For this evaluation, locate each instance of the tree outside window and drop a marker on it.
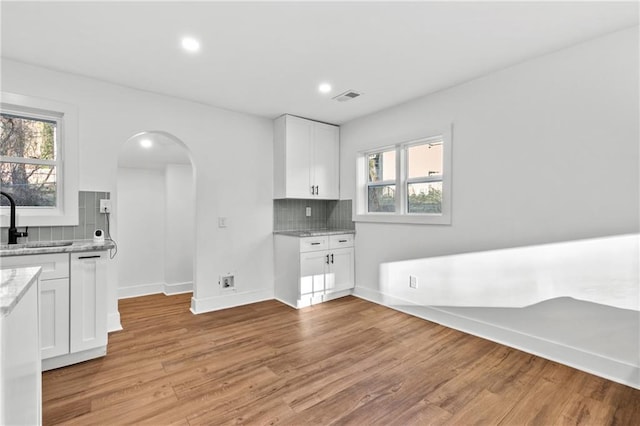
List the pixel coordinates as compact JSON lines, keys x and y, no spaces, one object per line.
{"x":29,"y":160}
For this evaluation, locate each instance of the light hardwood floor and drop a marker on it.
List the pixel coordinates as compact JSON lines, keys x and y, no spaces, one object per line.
{"x":347,"y":361}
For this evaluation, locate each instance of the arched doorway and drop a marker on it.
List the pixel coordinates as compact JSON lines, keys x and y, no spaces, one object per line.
{"x":156,"y":215}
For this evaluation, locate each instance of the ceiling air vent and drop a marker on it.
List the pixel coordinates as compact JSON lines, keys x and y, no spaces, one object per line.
{"x":347,"y":96}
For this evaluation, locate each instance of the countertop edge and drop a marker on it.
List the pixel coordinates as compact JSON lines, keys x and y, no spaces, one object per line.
{"x":76,"y":247}
{"x":314,"y":233}
{"x":27,"y":276}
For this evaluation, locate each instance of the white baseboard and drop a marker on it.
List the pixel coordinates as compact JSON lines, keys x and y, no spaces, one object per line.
{"x":229,"y":300}
{"x":113,"y":322}
{"x":140,"y":290}
{"x":178,"y":288}
{"x":592,"y":363}
{"x":154,"y":288}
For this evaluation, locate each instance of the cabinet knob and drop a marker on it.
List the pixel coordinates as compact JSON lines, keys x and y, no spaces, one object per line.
{"x":317,"y":190}
{"x":327,"y":259}
{"x":331,"y":257}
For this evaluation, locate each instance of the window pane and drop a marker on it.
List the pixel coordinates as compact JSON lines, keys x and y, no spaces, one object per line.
{"x":424,"y":160}
{"x":424,"y":197}
{"x":30,"y":184}
{"x":382,"y":166}
{"x":28,"y":137}
{"x":382,"y":198}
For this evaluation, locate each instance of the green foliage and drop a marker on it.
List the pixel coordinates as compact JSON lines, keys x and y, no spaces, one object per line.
{"x":430,"y":202}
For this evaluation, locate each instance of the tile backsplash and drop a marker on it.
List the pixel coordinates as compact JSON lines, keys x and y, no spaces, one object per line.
{"x":289,"y":215}
{"x":89,"y":219}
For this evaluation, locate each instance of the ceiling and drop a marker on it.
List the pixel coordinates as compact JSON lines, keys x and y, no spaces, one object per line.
{"x":268,"y":58}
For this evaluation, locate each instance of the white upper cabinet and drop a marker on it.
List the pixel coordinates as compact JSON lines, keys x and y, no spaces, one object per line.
{"x":306,"y":159}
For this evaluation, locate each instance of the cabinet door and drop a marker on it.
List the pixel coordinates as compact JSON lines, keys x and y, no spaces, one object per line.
{"x":313,"y":266}
{"x":88,"y":311}
{"x":54,"y":317}
{"x":341,"y":274}
{"x":20,"y":365}
{"x":298,"y":157}
{"x":326,"y":161}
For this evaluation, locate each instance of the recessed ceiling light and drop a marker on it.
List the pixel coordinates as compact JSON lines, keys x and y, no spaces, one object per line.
{"x":146,"y":143}
{"x":190,"y":44}
{"x":324,"y":88}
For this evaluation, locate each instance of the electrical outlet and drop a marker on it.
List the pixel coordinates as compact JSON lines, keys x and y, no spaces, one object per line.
{"x":227,"y":282}
{"x":105,"y":206}
{"x":413,"y":281}
{"x":308,"y":211}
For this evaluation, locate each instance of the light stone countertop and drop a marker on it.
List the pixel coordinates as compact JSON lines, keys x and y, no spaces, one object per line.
{"x":15,"y":283}
{"x":47,"y":247}
{"x":315,"y":232}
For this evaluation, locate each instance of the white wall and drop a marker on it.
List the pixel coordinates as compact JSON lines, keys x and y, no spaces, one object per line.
{"x":179,"y":224}
{"x":232,"y":154}
{"x":544,"y":151}
{"x":141,"y":230}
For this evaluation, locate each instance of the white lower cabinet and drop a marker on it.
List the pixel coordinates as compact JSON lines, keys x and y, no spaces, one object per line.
{"x":341,"y":270}
{"x":20,"y":374}
{"x":88,"y":307}
{"x":54,"y":317}
{"x":311,"y":270}
{"x":73,"y":305}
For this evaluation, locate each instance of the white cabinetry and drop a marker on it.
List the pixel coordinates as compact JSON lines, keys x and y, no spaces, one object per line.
{"x":73,"y":305}
{"x":323,"y":268}
{"x":306,"y":159}
{"x":20,"y":374}
{"x":54,"y":299}
{"x":88,"y":308}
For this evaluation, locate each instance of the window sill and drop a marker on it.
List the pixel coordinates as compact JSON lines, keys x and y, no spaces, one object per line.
{"x":407,"y":219}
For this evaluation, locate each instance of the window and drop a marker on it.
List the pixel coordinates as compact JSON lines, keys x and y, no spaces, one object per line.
{"x":38,"y":160}
{"x":381,"y":186}
{"x":29,"y":159}
{"x":406,"y":183}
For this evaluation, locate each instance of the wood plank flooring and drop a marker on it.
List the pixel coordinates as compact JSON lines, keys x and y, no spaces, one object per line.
{"x":347,"y":361}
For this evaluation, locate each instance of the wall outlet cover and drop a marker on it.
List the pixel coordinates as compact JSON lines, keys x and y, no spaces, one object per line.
{"x":105,"y":206}
{"x":227,"y":282}
{"x":413,"y":281}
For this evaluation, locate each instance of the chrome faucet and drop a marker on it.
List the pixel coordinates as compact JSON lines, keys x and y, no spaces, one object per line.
{"x":13,"y":231}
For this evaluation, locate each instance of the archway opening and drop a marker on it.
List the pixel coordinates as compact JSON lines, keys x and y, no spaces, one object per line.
{"x":156,"y":216}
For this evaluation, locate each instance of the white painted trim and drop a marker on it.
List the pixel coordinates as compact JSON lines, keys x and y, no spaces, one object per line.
{"x":113,"y":322}
{"x":282,"y":301}
{"x":140,"y":290}
{"x":178,"y":288}
{"x":154,"y":288}
{"x":228,"y":300}
{"x":66,"y":212}
{"x":360,"y":213}
{"x":74,"y":358}
{"x":598,"y":365}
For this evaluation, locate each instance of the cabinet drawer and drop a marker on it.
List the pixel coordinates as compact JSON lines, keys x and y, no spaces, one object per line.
{"x":342,"y":240}
{"x":313,"y":243}
{"x":54,"y":266}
